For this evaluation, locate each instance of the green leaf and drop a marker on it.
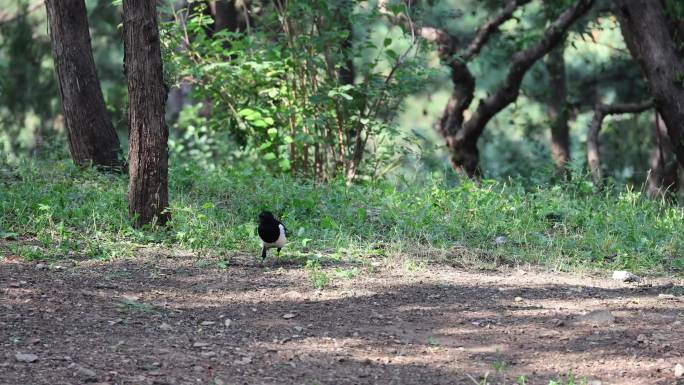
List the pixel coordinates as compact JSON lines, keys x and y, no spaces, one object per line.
{"x":284,"y":164}
{"x":288,"y":139}
{"x":259,"y":123}
{"x":246,"y":112}
{"x":395,"y":8}
{"x":392,"y":54}
{"x":272,"y":132}
{"x":269,"y":156}
{"x":387,"y":42}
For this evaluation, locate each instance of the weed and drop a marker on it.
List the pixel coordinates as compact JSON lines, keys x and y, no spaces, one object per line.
{"x":135,"y":306}
{"x":432,"y":341}
{"x":319,"y":278}
{"x":346,"y":273}
{"x":413,"y":266}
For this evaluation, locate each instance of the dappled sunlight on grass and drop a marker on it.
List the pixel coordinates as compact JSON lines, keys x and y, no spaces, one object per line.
{"x":562,"y":227}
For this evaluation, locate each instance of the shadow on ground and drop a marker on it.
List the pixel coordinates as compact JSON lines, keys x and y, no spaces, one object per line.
{"x":165,"y":319}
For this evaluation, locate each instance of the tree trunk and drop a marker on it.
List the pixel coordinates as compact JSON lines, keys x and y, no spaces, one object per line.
{"x":346,"y":73}
{"x":558,"y":111}
{"x":147,"y":131}
{"x":600,"y":112}
{"x":662,"y":178}
{"x":647,"y":33}
{"x":90,"y":133}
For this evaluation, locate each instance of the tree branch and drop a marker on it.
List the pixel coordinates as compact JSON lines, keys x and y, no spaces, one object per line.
{"x":520,"y":64}
{"x":600,"y":112}
{"x":485,"y":31}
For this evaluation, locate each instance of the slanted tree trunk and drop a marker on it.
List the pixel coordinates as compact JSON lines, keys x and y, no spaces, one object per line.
{"x":460,"y":134}
{"x":558,"y":111}
{"x":90,"y":133}
{"x":649,"y":36}
{"x":147,"y":130}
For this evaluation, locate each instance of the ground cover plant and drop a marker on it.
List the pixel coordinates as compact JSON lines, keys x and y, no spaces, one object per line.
{"x":60,"y":210}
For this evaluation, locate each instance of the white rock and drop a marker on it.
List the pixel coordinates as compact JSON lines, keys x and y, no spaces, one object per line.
{"x":625,"y":276}
{"x":207,"y":323}
{"x":227,"y":322}
{"x":679,"y":370}
{"x":518,"y":299}
{"x":26,"y":357}
{"x":598,"y":318}
{"x":289,"y":315}
{"x":500,"y":240}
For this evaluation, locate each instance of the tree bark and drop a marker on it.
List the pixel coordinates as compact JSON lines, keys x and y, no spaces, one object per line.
{"x":147,"y":130}
{"x":346,"y":73}
{"x":558,"y":111}
{"x":600,"y":112}
{"x":662,"y":178}
{"x":648,"y":35}
{"x":90,"y":133}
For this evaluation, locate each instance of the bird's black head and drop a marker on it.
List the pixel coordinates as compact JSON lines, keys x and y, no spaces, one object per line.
{"x":266,"y":217}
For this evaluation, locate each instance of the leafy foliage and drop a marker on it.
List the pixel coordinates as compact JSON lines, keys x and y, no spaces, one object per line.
{"x":279,"y":91}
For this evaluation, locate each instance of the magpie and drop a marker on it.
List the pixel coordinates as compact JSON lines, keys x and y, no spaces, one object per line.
{"x":272,"y":233}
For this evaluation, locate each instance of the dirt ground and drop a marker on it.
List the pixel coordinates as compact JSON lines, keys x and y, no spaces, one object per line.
{"x":176,"y":319}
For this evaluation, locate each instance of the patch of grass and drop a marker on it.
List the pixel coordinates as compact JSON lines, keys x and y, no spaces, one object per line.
{"x":135,"y":306}
{"x":319,"y":278}
{"x":568,"y":379}
{"x":346,"y":273}
{"x":412,"y":266}
{"x":119,"y":274}
{"x":432,"y":341}
{"x":70,"y":211}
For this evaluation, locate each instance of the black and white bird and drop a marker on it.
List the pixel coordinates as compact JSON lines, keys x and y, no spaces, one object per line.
{"x":272,"y":233}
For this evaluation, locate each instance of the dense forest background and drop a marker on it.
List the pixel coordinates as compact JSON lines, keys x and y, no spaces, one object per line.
{"x":516,"y":144}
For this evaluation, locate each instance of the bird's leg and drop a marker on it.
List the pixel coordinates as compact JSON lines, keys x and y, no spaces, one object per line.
{"x":278,"y":252}
{"x":263,"y":254}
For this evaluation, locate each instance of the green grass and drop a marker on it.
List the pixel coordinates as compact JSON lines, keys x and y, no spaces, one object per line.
{"x":56,"y":210}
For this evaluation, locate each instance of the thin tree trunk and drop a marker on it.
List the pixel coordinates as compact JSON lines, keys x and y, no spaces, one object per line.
{"x":90,"y":133}
{"x":647,"y":33}
{"x":558,"y":111}
{"x":148,"y":134}
{"x":346,"y":72}
{"x":600,"y":112}
{"x":662,"y":178}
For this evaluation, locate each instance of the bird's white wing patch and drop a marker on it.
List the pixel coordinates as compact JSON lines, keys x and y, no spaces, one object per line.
{"x":281,"y":241}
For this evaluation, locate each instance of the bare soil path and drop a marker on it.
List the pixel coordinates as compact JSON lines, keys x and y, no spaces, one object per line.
{"x":175,"y":319}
